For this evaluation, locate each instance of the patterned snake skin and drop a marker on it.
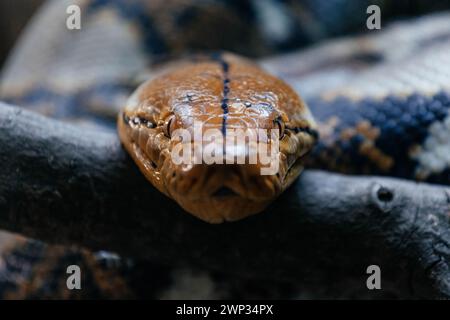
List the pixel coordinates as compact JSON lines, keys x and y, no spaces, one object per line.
{"x":382,"y":102}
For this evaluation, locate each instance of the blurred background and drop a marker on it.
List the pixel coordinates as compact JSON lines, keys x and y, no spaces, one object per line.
{"x":300,"y":22}
{"x":13,"y":17}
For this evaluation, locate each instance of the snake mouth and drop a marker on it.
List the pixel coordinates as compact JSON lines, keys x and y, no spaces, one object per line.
{"x":293,"y":171}
{"x":224,"y":192}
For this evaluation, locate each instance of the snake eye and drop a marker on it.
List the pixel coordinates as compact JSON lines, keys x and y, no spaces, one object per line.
{"x":281,"y":127}
{"x":145,"y":122}
{"x":168,"y":124}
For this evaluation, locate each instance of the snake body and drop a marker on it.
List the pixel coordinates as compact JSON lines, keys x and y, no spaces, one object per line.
{"x":379,"y":110}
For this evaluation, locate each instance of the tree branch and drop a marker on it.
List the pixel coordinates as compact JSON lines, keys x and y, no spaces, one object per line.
{"x":64,"y":184}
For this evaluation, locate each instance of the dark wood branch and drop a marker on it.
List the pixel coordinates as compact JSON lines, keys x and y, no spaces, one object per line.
{"x":64,"y":184}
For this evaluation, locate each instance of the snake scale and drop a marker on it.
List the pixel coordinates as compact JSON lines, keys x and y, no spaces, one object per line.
{"x":379,"y":110}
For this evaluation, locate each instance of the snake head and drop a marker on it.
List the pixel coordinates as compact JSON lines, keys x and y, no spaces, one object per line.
{"x":219,"y":136}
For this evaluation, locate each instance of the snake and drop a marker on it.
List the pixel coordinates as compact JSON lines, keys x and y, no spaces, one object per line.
{"x":354,"y":105}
